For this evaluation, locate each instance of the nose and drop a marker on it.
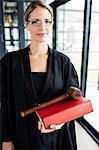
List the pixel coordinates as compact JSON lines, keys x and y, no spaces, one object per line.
{"x":42,"y":25}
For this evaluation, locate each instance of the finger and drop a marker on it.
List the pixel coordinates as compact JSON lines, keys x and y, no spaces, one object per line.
{"x":42,"y":126}
{"x":40,"y":119}
{"x":57,"y":126}
{"x":52,"y":126}
{"x":44,"y":130}
{"x":39,"y":125}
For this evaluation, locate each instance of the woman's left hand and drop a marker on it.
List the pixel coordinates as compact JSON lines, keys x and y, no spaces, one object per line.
{"x":52,"y":128}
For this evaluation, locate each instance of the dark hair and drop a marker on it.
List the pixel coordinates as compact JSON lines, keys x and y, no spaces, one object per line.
{"x":34,"y":4}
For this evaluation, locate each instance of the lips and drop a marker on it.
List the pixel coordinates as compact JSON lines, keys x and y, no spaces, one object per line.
{"x":41,"y":34}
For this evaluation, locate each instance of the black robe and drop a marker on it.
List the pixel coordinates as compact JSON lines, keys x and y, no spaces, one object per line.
{"x":60,"y":75}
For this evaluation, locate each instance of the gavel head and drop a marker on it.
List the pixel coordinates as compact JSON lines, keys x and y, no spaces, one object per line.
{"x":74,"y":92}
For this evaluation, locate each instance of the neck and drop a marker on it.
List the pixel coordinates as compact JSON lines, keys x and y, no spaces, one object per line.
{"x":38,"y":48}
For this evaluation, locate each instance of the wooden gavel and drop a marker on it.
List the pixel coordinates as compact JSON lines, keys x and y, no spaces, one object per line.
{"x":73,"y":92}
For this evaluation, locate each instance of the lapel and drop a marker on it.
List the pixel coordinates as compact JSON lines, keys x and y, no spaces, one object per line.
{"x":27,"y":71}
{"x":19,"y":71}
{"x":19,"y":85}
{"x":49,"y":77}
{"x":20,"y":100}
{"x":23,"y":68}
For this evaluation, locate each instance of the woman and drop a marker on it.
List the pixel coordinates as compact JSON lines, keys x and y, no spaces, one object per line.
{"x":32,"y":76}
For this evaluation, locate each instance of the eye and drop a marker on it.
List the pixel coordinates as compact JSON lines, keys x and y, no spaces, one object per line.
{"x":33,"y":22}
{"x":48,"y":22}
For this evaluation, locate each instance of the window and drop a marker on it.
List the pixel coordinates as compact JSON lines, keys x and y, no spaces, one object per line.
{"x":92,"y":90}
{"x":70,"y":31}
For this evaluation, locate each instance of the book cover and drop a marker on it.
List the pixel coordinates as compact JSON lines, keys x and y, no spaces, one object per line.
{"x":65,"y":111}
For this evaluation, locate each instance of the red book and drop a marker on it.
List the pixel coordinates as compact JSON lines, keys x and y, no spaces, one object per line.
{"x":65,"y":111}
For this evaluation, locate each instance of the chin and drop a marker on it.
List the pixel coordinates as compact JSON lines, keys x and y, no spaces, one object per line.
{"x":42,"y":40}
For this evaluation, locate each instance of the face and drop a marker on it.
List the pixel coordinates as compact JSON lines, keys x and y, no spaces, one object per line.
{"x":39,"y":24}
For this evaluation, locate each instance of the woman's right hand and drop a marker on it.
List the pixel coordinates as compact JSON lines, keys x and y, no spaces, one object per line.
{"x":8,"y":146}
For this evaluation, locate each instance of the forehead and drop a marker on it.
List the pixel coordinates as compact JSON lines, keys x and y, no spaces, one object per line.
{"x":40,"y":12}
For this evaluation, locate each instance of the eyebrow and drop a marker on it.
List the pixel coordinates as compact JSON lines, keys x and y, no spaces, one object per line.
{"x":39,"y":19}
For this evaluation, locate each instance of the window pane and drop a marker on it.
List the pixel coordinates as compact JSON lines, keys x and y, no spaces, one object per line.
{"x":70,"y":31}
{"x":11,"y":26}
{"x":93,"y":68}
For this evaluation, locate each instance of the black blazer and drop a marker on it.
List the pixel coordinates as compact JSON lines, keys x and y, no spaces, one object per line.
{"x":61,"y":74}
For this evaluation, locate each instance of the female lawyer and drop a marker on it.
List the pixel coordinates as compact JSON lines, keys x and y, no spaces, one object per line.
{"x":31,"y":76}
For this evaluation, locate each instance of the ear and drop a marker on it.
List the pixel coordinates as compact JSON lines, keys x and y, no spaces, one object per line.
{"x":25,"y":24}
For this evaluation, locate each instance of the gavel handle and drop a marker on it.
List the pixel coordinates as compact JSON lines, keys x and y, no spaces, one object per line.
{"x":45,"y":104}
{"x":72,"y":92}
